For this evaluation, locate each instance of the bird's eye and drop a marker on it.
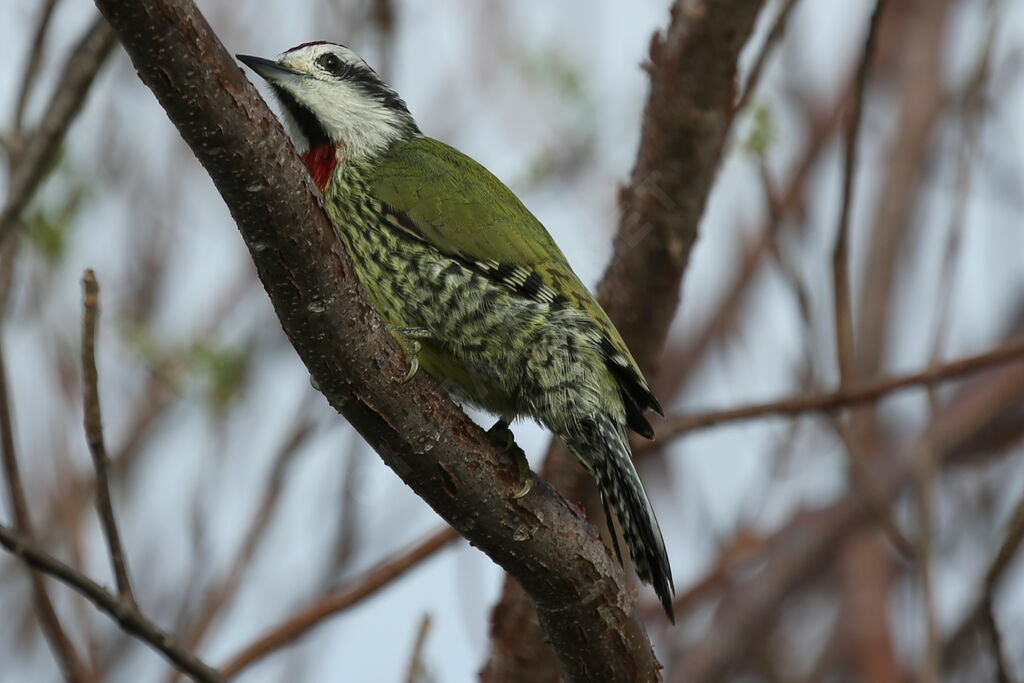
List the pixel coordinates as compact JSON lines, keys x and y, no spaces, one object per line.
{"x":331,"y":63}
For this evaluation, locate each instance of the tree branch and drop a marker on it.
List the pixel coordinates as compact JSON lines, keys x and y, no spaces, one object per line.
{"x":94,"y":434}
{"x":121,"y":610}
{"x":841,"y":249}
{"x":688,"y":114}
{"x":776,"y":33}
{"x":558,"y":558}
{"x":35,"y":57}
{"x":302,"y":622}
{"x":982,"y":615}
{"x":35,"y":157}
{"x":71,"y":665}
{"x":814,"y":542}
{"x":842,"y":398}
{"x":224,"y":590}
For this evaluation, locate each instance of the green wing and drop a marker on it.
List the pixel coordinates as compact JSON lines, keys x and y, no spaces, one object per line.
{"x":441,"y":196}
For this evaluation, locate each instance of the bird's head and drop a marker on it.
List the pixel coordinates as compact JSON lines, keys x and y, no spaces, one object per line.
{"x":330,"y":96}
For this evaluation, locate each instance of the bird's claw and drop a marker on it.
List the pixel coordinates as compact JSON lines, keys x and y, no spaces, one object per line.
{"x":414,"y":363}
{"x":408,"y":338}
{"x":526,"y":477}
{"x":502,"y":437}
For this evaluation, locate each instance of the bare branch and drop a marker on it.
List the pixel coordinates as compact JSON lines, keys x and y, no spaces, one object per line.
{"x":222,"y":593}
{"x":72,"y":666}
{"x":35,"y":56}
{"x":922,"y":98}
{"x":300,"y":623}
{"x":771,"y":41}
{"x":1012,"y":351}
{"x":840,"y":252}
{"x":37,"y":154}
{"x":94,"y":434}
{"x":813,"y":541}
{"x":676,"y":369}
{"x":123,"y":611}
{"x":415,"y":671}
{"x":982,"y":615}
{"x":1010,"y":546}
{"x":687,"y":117}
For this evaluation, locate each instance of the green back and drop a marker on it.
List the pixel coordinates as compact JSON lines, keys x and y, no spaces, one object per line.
{"x":460,"y":208}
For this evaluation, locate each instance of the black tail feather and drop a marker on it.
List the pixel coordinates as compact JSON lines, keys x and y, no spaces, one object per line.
{"x":604,"y":450}
{"x":611,"y":529}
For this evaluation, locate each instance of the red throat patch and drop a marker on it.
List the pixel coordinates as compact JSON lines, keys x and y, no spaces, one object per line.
{"x":320,"y":161}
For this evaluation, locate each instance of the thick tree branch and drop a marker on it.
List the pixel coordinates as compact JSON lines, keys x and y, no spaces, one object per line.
{"x":540,"y":540}
{"x":688,"y":113}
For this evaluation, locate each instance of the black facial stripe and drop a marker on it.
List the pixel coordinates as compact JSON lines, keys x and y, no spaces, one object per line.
{"x":308,"y":123}
{"x":366,"y":81}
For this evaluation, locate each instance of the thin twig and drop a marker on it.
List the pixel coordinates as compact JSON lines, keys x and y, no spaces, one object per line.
{"x":1009,"y":547}
{"x":920,"y":106}
{"x":924,"y":484}
{"x":931,"y":664}
{"x":131,"y":620}
{"x":301,"y":622}
{"x":844,"y":398}
{"x":416,"y":669}
{"x":988,"y":620}
{"x":739,"y":552}
{"x":34,"y":159}
{"x":94,"y":434}
{"x":814,"y":539}
{"x":982,"y":617}
{"x":149,"y":406}
{"x":840,"y":252}
{"x":677,"y":366}
{"x":35,"y":57}
{"x":227,"y":587}
{"x":777,"y":31}
{"x":871,"y":493}
{"x":974,"y":98}
{"x":72,"y":666}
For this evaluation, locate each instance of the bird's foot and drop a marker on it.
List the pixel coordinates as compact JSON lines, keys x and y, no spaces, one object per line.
{"x":501,"y":436}
{"x":408,"y":338}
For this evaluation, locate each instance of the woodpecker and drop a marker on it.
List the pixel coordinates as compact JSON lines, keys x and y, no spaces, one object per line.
{"x":468,"y":280}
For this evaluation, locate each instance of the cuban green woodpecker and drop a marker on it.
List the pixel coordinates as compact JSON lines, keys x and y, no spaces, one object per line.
{"x":468,"y":280}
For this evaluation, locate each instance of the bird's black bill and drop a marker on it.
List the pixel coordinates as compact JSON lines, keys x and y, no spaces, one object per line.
{"x":268,"y":68}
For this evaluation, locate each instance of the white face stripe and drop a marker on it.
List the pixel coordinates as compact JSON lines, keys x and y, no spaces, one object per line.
{"x":361,"y":122}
